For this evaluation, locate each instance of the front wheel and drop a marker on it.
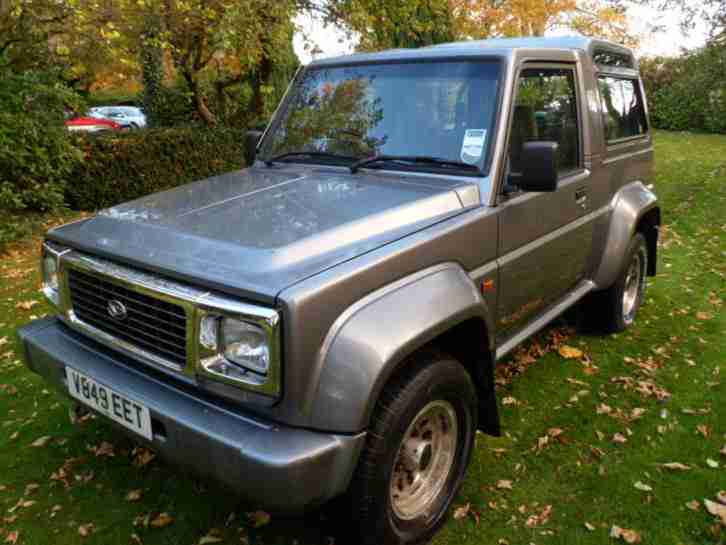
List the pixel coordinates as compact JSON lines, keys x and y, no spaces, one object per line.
{"x":416,"y":454}
{"x":617,"y":306}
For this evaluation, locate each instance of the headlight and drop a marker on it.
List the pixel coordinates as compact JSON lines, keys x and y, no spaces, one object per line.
{"x":49,"y":272}
{"x":246,"y":345}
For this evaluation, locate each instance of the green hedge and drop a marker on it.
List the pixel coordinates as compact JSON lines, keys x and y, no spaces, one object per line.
{"x":687,"y":92}
{"x":125,"y":166}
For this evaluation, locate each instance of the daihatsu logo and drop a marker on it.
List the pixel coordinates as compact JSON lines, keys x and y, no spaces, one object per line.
{"x":116,"y":309}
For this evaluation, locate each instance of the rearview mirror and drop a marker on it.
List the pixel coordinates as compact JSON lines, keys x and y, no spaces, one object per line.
{"x":252,"y":138}
{"x":539,"y":167}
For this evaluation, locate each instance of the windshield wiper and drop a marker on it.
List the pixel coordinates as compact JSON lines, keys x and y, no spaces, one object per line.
{"x":327,"y":154}
{"x":420,"y":159}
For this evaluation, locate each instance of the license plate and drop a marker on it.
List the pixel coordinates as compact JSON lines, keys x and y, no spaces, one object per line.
{"x":127,"y":412}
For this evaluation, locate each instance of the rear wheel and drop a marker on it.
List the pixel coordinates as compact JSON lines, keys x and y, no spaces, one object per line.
{"x":616,"y":307}
{"x":416,"y":453}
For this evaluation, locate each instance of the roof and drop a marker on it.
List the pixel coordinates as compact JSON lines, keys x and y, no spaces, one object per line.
{"x":497,"y":47}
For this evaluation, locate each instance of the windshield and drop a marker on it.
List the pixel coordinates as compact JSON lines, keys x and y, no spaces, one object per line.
{"x":433,"y":109}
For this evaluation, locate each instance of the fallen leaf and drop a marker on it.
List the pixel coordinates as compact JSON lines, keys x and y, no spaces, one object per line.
{"x":541,"y":518}
{"x":704,"y":315}
{"x":721,"y":496}
{"x":716,"y":509}
{"x":703,"y":430}
{"x":590,"y":527}
{"x":259,"y":518}
{"x":642,"y":486}
{"x":504,"y":485}
{"x":637,"y":413}
{"x":554,"y":432}
{"x":602,"y":408}
{"x":713,"y":464}
{"x":693,"y":505}
{"x":462,"y":511}
{"x":104,"y":449}
{"x":30,"y":488}
{"x":213,"y":536}
{"x":619,"y":438}
{"x":569,"y":352}
{"x":629,"y":536}
{"x":162,"y":520}
{"x":509,"y":400}
{"x":85,"y":530}
{"x":12,"y":537}
{"x":142,"y":456}
{"x":723,"y":451}
{"x":675,"y":466}
{"x":26,"y":305}
{"x":41,"y":441}
{"x":134,"y":495}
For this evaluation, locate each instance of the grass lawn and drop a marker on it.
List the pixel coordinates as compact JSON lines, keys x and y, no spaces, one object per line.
{"x":585,"y":439}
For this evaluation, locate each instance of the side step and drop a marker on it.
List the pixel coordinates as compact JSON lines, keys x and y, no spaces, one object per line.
{"x":585,"y":287}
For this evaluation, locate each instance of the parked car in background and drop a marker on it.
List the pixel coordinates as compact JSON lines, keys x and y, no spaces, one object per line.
{"x":129,"y":117}
{"x":92,"y":124}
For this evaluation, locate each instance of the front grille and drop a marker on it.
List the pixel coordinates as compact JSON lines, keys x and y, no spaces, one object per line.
{"x":154,"y":326}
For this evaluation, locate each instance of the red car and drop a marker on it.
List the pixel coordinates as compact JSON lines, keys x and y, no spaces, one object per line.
{"x":92,"y":124}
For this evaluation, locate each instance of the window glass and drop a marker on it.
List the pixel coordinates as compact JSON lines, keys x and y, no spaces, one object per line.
{"x":439,"y":109}
{"x":612,"y":58}
{"x":546,"y":110}
{"x":622,"y":105}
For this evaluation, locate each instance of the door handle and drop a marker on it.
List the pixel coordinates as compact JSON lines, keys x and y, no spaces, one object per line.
{"x":581,"y":197}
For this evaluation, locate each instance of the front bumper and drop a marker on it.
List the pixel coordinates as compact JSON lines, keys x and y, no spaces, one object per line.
{"x":278,"y":468}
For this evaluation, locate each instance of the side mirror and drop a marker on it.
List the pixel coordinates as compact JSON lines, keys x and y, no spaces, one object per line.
{"x":539,"y":166}
{"x":252,"y":138}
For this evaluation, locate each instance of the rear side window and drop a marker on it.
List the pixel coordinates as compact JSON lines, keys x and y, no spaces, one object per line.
{"x":622,"y":107}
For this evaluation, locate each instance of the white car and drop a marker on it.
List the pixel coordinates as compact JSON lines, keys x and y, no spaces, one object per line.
{"x":129,"y":117}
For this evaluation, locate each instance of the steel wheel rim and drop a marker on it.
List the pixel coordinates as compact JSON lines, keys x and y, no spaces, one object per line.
{"x":424,"y":460}
{"x":632,"y":288}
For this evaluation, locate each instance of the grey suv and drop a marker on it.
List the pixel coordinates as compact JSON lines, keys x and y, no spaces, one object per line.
{"x":325,"y":323}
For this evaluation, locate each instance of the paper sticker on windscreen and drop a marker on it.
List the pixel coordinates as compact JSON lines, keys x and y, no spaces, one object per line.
{"x":473,"y":146}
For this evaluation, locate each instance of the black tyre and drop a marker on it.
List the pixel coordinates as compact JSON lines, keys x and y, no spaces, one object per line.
{"x":615,"y":308}
{"x":416,"y":454}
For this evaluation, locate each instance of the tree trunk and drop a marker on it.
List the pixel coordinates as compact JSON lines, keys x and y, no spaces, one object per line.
{"x":199,"y":102}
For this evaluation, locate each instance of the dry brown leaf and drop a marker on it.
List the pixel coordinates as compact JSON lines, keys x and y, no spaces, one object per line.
{"x":26,"y":305}
{"x":134,"y":495}
{"x":716,"y":509}
{"x":213,"y":536}
{"x":259,"y":518}
{"x":619,"y":438}
{"x":642,"y":486}
{"x":629,"y":536}
{"x":462,"y":511}
{"x":540,"y":518}
{"x":554,"y":432}
{"x":703,"y":430}
{"x":721,"y":496}
{"x":42,"y":441}
{"x":104,"y":449}
{"x":142,"y":456}
{"x":693,"y":505}
{"x":704,"y":315}
{"x":504,"y":485}
{"x":713,"y":464}
{"x":509,"y":400}
{"x":12,"y":537}
{"x":30,"y":488}
{"x":590,"y":527}
{"x":85,"y":530}
{"x":602,"y":408}
{"x":569,"y":352}
{"x":162,"y":520}
{"x":637,"y":413}
{"x":675,"y":466}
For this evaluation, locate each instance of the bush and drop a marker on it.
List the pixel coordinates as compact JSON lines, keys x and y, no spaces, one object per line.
{"x":688,"y":92}
{"x":36,"y":155}
{"x":124,"y":166}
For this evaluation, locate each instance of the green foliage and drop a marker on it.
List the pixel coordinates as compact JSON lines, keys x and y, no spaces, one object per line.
{"x":124,"y":166}
{"x":36,"y":155}
{"x":689,"y":92}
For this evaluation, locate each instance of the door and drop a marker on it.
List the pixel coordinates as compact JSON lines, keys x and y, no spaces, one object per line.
{"x":544,"y":238}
